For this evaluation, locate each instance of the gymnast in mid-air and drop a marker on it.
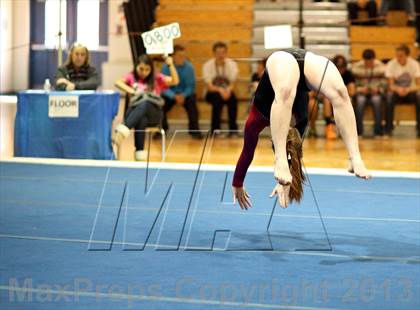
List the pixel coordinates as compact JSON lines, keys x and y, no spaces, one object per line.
{"x":281,"y":102}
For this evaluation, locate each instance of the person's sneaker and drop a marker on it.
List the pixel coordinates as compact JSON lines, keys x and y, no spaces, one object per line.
{"x":140,"y":155}
{"x":330,"y":132}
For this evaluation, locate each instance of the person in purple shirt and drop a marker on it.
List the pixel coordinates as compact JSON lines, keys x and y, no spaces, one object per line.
{"x":183,"y":93}
{"x":281,"y":102}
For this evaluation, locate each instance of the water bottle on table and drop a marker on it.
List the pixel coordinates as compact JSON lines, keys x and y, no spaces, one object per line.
{"x":47,"y":85}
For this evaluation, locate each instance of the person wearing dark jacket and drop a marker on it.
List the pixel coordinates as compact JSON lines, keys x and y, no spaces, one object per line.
{"x":77,"y":73}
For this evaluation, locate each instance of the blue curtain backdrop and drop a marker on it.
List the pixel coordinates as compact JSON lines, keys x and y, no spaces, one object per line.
{"x":43,"y":61}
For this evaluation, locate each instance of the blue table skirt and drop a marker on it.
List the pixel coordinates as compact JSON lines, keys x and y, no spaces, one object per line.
{"x":85,"y":137}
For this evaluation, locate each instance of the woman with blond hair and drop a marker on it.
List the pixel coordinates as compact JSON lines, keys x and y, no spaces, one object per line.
{"x":281,"y":102}
{"x":77,"y":73}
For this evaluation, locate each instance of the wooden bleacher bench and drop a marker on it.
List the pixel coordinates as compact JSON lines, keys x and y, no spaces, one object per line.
{"x":216,"y":33}
{"x":403,"y":112}
{"x":396,"y":18}
{"x":196,"y":15}
{"x":202,"y":23}
{"x":244,"y":67}
{"x":383,"y":51}
{"x":382,"y":34}
{"x":203,"y":48}
{"x":382,"y":39}
{"x":241,"y":89}
{"x":204,"y":109}
{"x":246,"y":4}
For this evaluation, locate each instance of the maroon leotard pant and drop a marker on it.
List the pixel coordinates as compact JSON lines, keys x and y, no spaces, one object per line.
{"x":255,"y":123}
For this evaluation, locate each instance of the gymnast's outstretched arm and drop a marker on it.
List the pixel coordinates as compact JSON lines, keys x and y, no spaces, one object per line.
{"x":254,"y":125}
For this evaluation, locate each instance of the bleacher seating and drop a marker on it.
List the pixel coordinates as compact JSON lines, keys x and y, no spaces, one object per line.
{"x":240,"y":24}
{"x":324,"y":29}
{"x":202,"y":23}
{"x":383,"y":39}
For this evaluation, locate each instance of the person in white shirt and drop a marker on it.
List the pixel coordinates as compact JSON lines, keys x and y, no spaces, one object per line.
{"x":370,"y":87}
{"x":219,"y":74}
{"x":403,"y":74}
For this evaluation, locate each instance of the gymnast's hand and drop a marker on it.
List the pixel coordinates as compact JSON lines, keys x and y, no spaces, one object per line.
{"x":359,"y":169}
{"x":240,"y":194}
{"x":282,"y":191}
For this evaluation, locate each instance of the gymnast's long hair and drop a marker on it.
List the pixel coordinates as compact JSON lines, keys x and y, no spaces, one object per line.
{"x":294,"y":151}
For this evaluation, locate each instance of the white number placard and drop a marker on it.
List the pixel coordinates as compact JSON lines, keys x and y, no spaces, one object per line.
{"x":63,"y":106}
{"x":278,"y":37}
{"x":159,"y":40}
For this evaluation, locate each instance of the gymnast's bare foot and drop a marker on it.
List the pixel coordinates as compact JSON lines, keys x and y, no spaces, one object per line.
{"x":359,"y":169}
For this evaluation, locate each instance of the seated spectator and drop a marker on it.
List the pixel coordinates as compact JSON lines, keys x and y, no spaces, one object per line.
{"x":77,"y":73}
{"x":355,"y":6}
{"x":403,"y":74}
{"x":145,"y":106}
{"x":406,"y":5}
{"x":369,"y":74}
{"x":257,"y":75}
{"x":348,"y":78}
{"x":220,"y":74}
{"x":183,"y":93}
